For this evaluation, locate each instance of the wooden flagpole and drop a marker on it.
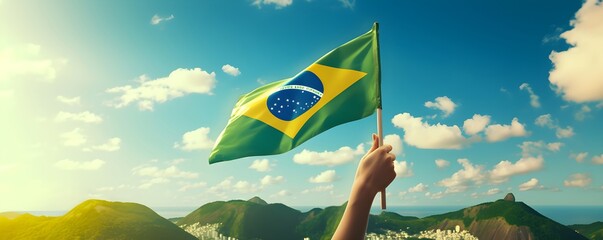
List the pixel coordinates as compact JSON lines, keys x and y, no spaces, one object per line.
{"x":380,"y":134}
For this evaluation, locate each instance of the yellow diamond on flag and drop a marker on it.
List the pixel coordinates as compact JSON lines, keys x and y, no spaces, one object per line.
{"x":334,"y":80}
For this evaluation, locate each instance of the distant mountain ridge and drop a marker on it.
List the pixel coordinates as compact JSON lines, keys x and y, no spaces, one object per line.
{"x":502,"y":219}
{"x":257,"y":219}
{"x":94,"y":219}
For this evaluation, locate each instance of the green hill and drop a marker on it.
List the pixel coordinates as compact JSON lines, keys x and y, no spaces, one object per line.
{"x":321,"y":223}
{"x":493,"y":220}
{"x":256,"y":219}
{"x":502,"y":220}
{"x":395,"y":222}
{"x":593,"y":231}
{"x":95,"y":219}
{"x":253,"y":219}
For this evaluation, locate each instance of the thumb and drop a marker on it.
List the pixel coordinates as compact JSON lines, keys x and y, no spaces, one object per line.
{"x":375,"y":143}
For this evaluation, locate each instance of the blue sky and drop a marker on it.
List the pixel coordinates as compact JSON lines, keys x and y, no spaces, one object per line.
{"x":123,"y":100}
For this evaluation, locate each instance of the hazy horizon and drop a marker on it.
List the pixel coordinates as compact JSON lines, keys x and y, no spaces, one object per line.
{"x":563,"y":214}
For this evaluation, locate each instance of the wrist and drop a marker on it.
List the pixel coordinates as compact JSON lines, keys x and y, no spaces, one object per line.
{"x":362,"y":193}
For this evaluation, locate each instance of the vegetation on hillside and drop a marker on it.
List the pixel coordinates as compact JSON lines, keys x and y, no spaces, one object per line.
{"x":593,"y":231}
{"x":95,"y":219}
{"x":256,"y":219}
{"x":248,"y":219}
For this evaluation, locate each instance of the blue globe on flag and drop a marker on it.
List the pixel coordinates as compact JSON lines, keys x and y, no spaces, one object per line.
{"x":296,"y":97}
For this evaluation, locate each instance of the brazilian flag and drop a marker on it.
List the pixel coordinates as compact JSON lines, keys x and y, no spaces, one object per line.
{"x":342,"y":86}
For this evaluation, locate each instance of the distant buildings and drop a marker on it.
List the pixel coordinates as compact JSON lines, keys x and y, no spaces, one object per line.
{"x":210,"y":232}
{"x":206,"y":232}
{"x":437,"y":234}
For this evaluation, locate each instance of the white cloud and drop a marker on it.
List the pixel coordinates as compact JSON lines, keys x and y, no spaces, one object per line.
{"x":598,"y":159}
{"x":505,"y":169}
{"x":530,"y":148}
{"x":580,"y":156}
{"x":245,"y":187}
{"x":156,"y":19}
{"x":324,"y":177}
{"x":222,"y":187}
{"x":554,"y":146}
{"x":546,"y":120}
{"x":145,"y":105}
{"x":25,"y":61}
{"x":321,"y":188}
{"x":348,"y":3}
{"x":422,"y":135}
{"x":86,"y":117}
{"x":230,"y":70}
{"x":497,"y":132}
{"x":190,"y":186}
{"x":73,"y":138}
{"x":529,"y":185}
{"x":441,"y":163}
{"x":179,"y":83}
{"x":111,"y":145}
{"x":444,"y":104}
{"x":228,"y":185}
{"x":69,"y":101}
{"x":282,"y":193}
{"x":277,"y":3}
{"x":150,"y":182}
{"x":403,"y":169}
{"x":169,"y":172}
{"x":533,"y":97}
{"x":67,"y":164}
{"x":476,"y":124}
{"x":195,"y":140}
{"x":395,"y":141}
{"x":576,"y":73}
{"x":341,"y":156}
{"x":270,"y":180}
{"x":578,"y":180}
{"x":462,"y":179}
{"x":492,"y":191}
{"x":418,"y":188}
{"x":261,"y":165}
{"x":564,"y":132}
{"x":582,"y":113}
{"x":437,"y":195}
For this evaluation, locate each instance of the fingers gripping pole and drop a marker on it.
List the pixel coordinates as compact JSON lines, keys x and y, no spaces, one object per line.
{"x":380,"y":134}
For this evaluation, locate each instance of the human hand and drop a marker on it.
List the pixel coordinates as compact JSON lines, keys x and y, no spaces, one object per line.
{"x":376,"y":169}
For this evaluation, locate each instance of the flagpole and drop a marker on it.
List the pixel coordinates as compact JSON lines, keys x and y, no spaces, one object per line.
{"x":379,"y":117}
{"x":380,"y":134}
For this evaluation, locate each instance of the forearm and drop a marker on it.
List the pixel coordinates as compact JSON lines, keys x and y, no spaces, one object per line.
{"x":375,"y":172}
{"x":355,"y":218}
